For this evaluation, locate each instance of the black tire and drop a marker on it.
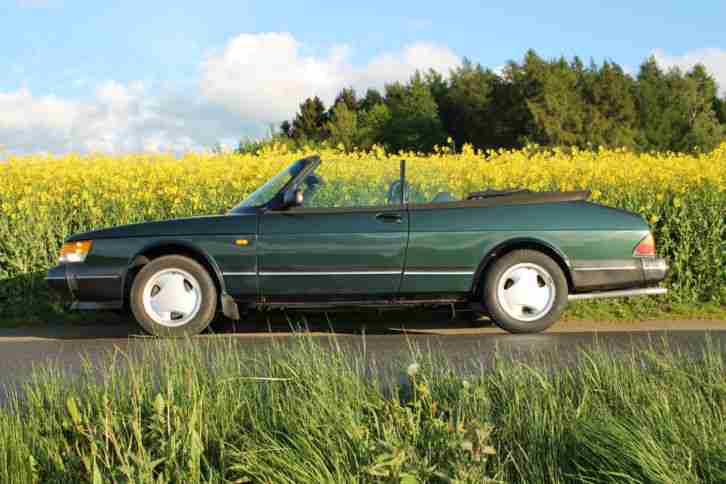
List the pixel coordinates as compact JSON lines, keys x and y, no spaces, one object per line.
{"x":497,"y":309}
{"x":206,"y":309}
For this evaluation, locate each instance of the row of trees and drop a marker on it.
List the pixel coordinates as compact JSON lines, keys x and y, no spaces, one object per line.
{"x":551,"y":103}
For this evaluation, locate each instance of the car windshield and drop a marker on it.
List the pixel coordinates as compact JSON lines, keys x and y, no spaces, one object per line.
{"x":272,"y":187}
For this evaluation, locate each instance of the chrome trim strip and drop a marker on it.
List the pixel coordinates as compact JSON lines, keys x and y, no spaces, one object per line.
{"x":647,"y":291}
{"x":55,"y":278}
{"x":345,"y":273}
{"x":608,"y":268}
{"x":353,"y":273}
{"x":440,"y":273}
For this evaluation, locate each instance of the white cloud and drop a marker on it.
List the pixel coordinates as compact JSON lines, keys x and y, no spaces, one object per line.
{"x":25,"y":117}
{"x":399,"y":66}
{"x":266,"y":76}
{"x":256,"y":79}
{"x":118,"y":118}
{"x":713,"y":59}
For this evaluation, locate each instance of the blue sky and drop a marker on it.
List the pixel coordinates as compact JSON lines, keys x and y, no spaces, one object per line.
{"x":132,"y":75}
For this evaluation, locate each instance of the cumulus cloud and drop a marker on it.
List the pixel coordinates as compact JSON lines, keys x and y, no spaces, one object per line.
{"x":266,"y":76}
{"x":24,"y":117}
{"x":119,"y":117}
{"x":713,"y":59}
{"x":254,"y":80}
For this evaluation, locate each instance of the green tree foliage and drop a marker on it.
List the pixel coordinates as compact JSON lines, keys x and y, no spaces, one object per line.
{"x":373,"y":117}
{"x":719,"y":106}
{"x":469,"y":106}
{"x":610,"y":111}
{"x":414,"y":122}
{"x":701,"y":126}
{"x":372,"y":124}
{"x":549,"y":102}
{"x":555,"y":104}
{"x":348,"y":97}
{"x":677,"y":110}
{"x":309,"y":124}
{"x":286,"y":128}
{"x":343,"y":126}
{"x":371,"y":99}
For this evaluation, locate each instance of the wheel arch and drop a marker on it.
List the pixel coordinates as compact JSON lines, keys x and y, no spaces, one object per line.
{"x":161,"y":248}
{"x":520,"y":243}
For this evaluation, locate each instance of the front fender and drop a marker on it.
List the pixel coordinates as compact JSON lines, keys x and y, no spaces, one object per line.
{"x":161,"y":247}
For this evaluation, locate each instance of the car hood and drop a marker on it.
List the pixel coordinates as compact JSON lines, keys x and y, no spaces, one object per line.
{"x":244,"y":223}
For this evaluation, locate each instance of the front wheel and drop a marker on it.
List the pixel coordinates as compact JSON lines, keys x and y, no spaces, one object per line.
{"x":525,"y":291}
{"x":173,"y":296}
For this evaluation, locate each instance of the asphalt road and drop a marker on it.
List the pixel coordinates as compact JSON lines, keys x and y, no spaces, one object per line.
{"x":382,"y":339}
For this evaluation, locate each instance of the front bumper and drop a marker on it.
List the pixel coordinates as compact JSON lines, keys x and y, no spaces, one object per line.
{"x":57,"y":280}
{"x":86,"y":287}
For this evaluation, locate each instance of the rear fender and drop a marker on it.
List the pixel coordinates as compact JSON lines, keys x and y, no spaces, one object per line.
{"x":518,"y":243}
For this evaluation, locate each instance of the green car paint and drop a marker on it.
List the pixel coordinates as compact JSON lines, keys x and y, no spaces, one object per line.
{"x":351,"y":252}
{"x":459,"y":238}
{"x":387,"y":252}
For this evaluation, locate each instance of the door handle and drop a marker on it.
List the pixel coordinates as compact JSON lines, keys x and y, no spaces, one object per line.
{"x":390,"y":218}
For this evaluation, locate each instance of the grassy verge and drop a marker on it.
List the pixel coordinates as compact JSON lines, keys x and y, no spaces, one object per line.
{"x":208,"y":412}
{"x":642,"y":308}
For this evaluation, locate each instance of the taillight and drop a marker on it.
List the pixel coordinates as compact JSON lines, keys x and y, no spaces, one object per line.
{"x":645,"y":247}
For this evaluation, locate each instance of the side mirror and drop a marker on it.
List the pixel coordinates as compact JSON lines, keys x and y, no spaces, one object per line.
{"x":292,"y":199}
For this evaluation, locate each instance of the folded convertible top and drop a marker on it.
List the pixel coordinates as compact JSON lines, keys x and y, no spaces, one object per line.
{"x":494,"y":193}
{"x":510,"y":197}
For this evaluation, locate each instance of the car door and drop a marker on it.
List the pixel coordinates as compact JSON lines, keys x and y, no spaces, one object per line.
{"x":319,"y":254}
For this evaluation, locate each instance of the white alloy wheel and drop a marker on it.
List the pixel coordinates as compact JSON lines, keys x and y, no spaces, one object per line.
{"x":526,"y":291}
{"x":172,"y":297}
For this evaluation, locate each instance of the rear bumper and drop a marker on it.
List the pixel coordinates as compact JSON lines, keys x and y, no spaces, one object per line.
{"x":618,"y":274}
{"x":646,"y":291}
{"x":86,"y":287}
{"x":655,"y":269}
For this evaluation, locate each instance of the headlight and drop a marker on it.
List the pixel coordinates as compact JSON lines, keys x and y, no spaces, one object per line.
{"x":75,"y":251}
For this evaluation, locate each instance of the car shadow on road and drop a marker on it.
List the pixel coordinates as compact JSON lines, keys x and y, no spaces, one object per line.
{"x":262,"y":323}
{"x":369,"y":322}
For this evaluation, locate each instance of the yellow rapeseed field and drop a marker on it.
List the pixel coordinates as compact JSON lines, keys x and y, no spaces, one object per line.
{"x":46,"y":198}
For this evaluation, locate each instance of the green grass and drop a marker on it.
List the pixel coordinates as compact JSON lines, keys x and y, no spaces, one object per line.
{"x":642,"y":308}
{"x":204,"y":411}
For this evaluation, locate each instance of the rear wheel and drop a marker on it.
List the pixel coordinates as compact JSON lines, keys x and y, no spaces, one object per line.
{"x":173,"y":296}
{"x":525,"y":291}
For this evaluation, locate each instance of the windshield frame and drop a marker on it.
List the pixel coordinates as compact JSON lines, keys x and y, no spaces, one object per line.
{"x":303,"y":166}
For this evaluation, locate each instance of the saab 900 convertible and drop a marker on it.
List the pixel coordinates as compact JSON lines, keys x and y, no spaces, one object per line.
{"x":516,"y":256}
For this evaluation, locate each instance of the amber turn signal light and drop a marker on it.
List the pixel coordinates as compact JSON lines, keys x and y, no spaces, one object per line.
{"x":75,"y":251}
{"x":645,"y":247}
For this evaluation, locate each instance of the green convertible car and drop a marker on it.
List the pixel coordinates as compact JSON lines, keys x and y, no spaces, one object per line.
{"x":516,"y":256}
